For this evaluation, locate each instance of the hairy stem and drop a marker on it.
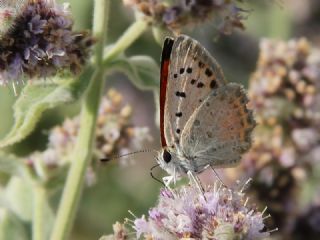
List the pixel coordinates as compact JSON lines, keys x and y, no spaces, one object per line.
{"x":83,"y":150}
{"x":38,"y":218}
{"x":126,"y":39}
{"x":81,"y":155}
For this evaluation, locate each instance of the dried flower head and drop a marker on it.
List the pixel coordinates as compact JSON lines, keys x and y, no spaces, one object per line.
{"x":40,"y":42}
{"x":175,"y":15}
{"x":115,"y":134}
{"x":120,"y":232}
{"x":185,"y":213}
{"x":285,"y":92}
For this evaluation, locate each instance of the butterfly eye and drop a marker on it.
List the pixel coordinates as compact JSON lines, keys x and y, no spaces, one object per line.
{"x":166,"y":156}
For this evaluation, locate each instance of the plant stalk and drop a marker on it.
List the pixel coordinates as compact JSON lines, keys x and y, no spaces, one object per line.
{"x":82,"y":153}
{"x":126,"y":39}
{"x":38,"y":218}
{"x":84,"y":145}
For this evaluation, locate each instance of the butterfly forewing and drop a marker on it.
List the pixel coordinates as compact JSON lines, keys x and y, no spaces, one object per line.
{"x":165,"y":61}
{"x":192,"y":75}
{"x":219,"y":131}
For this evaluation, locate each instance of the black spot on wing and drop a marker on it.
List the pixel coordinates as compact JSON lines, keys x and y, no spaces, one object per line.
{"x":180,"y":94}
{"x":178,"y":130}
{"x":193,"y":81}
{"x":200,"y":85}
{"x":208,"y":72}
{"x":201,"y":64}
{"x":175,"y":75}
{"x":189,"y":70}
{"x":181,"y":70}
{"x":213,"y":84}
{"x":179,"y":114}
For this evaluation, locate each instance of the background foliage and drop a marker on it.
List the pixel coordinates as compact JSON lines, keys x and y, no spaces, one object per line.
{"x":120,"y":188}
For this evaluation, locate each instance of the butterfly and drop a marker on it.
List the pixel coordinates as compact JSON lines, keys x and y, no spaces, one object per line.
{"x":204,"y":120}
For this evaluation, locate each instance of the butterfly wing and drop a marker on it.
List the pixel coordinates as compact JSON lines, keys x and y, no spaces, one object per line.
{"x":165,"y":61}
{"x":189,"y":75}
{"x":219,"y":131}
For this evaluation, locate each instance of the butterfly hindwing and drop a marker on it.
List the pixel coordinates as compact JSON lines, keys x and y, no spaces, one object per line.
{"x":192,"y":75}
{"x":219,"y":131}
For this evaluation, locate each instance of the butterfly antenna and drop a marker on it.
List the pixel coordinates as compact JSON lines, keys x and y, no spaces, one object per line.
{"x":128,"y":154}
{"x":151,"y":174}
{"x":124,"y":155}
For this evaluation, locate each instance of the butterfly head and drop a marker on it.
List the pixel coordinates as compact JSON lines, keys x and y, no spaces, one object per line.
{"x":169,"y":161}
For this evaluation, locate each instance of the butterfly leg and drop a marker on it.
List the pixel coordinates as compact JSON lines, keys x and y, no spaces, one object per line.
{"x":168,"y":180}
{"x":220,"y":180}
{"x":193,"y":177}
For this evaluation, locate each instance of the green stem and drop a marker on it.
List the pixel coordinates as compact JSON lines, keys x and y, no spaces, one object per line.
{"x":100,"y":20}
{"x":83,"y":150}
{"x":126,"y":39}
{"x":80,"y":160}
{"x":39,"y":221}
{"x":280,"y":23}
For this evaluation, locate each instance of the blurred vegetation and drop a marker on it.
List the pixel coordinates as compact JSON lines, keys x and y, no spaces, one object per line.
{"x":121,"y":188}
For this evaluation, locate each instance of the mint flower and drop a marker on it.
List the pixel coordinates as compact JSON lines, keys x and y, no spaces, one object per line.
{"x":284,"y":158}
{"x":185,"y":213}
{"x":227,"y":15}
{"x":40,"y":42}
{"x":115,"y":134}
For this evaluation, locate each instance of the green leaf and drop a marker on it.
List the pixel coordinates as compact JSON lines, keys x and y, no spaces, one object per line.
{"x":11,"y":228}
{"x":36,"y":98}
{"x":29,"y":202}
{"x":19,"y":197}
{"x":13,"y":166}
{"x":143,"y":72}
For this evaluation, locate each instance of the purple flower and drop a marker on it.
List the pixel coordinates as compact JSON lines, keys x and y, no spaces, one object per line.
{"x":36,"y":24}
{"x":226,"y":14}
{"x":141,"y":226}
{"x":186,"y":213}
{"x":155,"y":214}
{"x":41,"y":42}
{"x":166,"y":193}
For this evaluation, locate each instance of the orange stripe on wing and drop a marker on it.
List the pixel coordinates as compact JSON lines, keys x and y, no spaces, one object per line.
{"x":164,"y":73}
